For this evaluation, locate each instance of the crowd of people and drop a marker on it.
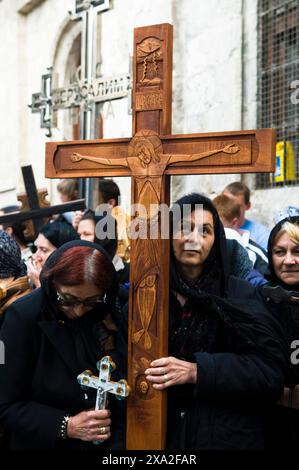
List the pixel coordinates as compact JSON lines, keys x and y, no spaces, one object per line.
{"x":232,"y":373}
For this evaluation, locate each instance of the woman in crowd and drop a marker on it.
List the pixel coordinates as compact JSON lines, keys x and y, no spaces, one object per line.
{"x":103,"y":230}
{"x":13,"y":283}
{"x":226,"y":357}
{"x":51,"y":236}
{"x":282,"y":298}
{"x":68,"y":191}
{"x":50,"y":337}
{"x":13,"y":280}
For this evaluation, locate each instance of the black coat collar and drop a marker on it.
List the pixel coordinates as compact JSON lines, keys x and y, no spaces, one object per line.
{"x":61,"y":341}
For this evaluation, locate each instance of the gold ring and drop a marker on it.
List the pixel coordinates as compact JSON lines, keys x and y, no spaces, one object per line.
{"x":102,"y":430}
{"x":165,"y":378}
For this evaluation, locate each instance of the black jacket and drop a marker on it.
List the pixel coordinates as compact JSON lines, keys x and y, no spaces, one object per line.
{"x":239,"y":379}
{"x":240,"y":375}
{"x":38,"y":383}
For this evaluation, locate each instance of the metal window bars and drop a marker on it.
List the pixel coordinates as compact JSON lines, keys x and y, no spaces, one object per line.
{"x":278,"y":86}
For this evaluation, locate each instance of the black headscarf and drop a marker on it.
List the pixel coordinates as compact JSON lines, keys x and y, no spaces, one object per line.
{"x":90,"y":333}
{"x":210,"y":299}
{"x":58,"y":233}
{"x":109,"y":242}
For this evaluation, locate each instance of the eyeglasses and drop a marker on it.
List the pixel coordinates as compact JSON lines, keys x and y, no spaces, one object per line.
{"x":64,"y":302}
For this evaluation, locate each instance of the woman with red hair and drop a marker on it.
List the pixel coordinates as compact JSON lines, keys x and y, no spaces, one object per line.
{"x":50,"y":337}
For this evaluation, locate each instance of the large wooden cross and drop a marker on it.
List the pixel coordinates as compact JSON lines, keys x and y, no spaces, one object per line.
{"x":150,"y":158}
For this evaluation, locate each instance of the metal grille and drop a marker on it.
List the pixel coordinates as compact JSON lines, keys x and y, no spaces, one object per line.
{"x":277,"y":88}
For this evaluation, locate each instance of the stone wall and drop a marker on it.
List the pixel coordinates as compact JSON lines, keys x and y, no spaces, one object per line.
{"x":9,"y":102}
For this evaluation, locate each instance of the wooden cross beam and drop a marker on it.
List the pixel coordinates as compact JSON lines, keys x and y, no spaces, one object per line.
{"x":149,"y":158}
{"x":77,"y":205}
{"x":36,"y":210}
{"x":32,"y":198}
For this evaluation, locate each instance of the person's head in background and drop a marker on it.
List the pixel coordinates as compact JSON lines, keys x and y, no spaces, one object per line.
{"x":109,"y":192}
{"x":229,"y":211}
{"x":283,"y":253}
{"x":86,"y":227}
{"x":241,"y":193}
{"x":68,"y":190}
{"x":106,"y":230}
{"x":52,"y":236}
{"x":16,"y":230}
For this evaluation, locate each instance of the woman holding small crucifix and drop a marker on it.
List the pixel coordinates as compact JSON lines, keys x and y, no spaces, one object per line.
{"x":51,"y":336}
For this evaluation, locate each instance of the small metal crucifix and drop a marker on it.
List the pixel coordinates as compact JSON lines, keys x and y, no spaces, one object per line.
{"x":103,"y":384}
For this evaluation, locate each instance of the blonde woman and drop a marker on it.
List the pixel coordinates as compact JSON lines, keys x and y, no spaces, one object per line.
{"x":282,"y":298}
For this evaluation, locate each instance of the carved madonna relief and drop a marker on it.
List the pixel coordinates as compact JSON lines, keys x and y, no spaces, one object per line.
{"x":149,"y":53}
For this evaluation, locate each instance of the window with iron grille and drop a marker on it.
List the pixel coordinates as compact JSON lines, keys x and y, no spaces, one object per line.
{"x":278,"y":86}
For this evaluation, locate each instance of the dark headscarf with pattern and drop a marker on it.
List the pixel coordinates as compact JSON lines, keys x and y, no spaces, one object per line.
{"x":11,"y":264}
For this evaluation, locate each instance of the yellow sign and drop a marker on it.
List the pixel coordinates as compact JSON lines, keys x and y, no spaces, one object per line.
{"x":285,"y":168}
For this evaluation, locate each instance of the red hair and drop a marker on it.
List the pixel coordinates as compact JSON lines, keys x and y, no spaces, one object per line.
{"x":81,"y":265}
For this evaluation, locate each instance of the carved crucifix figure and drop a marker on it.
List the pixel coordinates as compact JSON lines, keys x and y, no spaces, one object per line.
{"x":150,"y":157}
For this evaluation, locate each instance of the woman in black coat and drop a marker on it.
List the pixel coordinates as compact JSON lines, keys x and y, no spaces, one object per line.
{"x":281,"y":296}
{"x":226,"y":353}
{"x":51,"y":336}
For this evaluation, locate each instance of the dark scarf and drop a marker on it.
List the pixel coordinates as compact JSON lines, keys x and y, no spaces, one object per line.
{"x":211,"y":315}
{"x":216,"y":322}
{"x":109,"y":241}
{"x":11,"y":263}
{"x":92,"y":335}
